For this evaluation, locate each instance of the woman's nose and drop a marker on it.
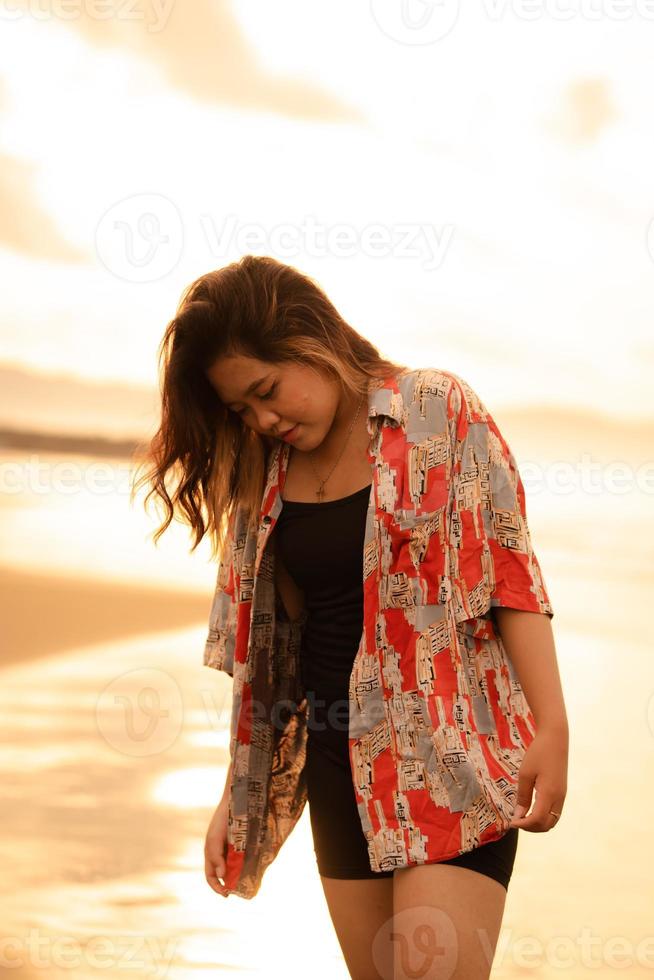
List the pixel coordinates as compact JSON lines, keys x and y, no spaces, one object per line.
{"x":267,"y":420}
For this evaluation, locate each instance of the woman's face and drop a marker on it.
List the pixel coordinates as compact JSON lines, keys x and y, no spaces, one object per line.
{"x":273,"y":398}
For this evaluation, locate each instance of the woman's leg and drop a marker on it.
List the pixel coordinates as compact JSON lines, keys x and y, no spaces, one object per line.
{"x":360,"y":904}
{"x":361,"y":910}
{"x":446,"y":922}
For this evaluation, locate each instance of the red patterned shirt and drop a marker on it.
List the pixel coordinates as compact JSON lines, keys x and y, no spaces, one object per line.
{"x":438,"y":721}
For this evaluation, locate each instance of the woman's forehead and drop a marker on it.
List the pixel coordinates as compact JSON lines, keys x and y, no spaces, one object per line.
{"x":233,"y":375}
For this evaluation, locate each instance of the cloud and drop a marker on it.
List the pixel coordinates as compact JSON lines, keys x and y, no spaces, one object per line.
{"x":25,"y":226}
{"x":587,"y":109}
{"x":203,"y":52}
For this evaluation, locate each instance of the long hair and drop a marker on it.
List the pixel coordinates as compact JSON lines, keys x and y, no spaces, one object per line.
{"x":256,"y":307}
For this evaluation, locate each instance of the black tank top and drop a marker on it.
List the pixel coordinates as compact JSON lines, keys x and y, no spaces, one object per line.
{"x":321,"y":545}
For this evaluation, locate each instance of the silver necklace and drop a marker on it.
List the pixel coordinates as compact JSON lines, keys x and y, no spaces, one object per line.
{"x":321,"y":489}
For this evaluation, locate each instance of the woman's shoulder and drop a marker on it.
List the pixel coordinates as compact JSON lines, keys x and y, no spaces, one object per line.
{"x":426,"y":373}
{"x":429,"y":383}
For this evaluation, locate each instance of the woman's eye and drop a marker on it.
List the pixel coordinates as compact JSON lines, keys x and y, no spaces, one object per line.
{"x":264,"y":397}
{"x":268,"y":394}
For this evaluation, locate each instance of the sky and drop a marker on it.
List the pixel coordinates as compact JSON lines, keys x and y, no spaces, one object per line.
{"x":472,"y":188}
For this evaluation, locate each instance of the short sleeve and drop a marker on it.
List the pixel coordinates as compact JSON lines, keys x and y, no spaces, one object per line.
{"x":491,"y":558}
{"x":220,"y":643}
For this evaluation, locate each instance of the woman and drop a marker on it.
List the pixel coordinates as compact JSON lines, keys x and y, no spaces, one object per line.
{"x":380,"y":609}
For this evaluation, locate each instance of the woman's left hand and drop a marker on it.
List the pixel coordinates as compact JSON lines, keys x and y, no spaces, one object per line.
{"x":544,"y":770}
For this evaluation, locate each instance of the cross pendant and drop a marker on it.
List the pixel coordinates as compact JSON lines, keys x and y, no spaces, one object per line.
{"x":321,"y":493}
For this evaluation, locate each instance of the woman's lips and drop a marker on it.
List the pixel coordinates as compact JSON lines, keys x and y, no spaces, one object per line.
{"x":291,"y":434}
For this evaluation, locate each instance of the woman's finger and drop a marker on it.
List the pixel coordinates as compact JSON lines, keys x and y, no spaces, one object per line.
{"x":543,"y":816}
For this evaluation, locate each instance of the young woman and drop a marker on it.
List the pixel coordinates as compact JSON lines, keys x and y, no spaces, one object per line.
{"x":377,"y":575}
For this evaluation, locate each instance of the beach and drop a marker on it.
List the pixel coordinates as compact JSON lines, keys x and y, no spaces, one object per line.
{"x":115,"y":741}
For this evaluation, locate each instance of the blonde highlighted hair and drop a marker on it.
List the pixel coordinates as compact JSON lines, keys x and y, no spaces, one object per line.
{"x":256,"y":307}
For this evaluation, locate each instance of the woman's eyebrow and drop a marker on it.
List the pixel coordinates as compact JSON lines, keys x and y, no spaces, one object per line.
{"x":252,"y":386}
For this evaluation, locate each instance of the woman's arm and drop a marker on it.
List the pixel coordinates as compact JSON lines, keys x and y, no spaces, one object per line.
{"x":529,"y":642}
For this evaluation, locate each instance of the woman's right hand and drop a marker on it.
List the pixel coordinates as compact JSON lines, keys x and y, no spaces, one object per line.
{"x":215,"y":847}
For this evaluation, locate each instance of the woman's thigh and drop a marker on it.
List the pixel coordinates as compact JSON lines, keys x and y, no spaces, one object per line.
{"x":446,"y":922}
{"x":361,"y":910}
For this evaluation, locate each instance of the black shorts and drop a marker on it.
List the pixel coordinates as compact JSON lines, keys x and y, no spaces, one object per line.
{"x":340,"y":845}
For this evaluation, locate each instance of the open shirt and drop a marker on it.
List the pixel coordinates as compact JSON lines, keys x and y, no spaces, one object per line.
{"x":438,"y":721}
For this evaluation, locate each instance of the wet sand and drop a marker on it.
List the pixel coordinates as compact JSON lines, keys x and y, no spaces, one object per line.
{"x":112,"y":760}
{"x":44,"y":614}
